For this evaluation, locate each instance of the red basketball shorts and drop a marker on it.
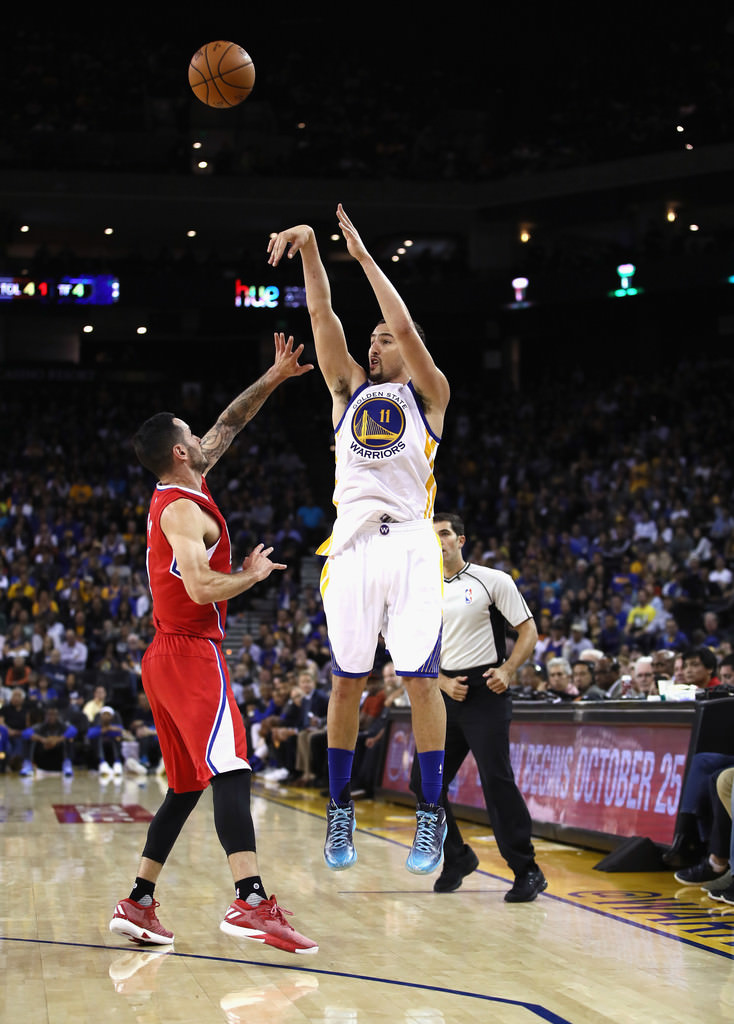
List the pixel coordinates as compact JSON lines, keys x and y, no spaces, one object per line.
{"x":199,"y":725}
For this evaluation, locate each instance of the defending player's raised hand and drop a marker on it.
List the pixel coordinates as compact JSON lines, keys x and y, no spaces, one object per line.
{"x":286,"y":359}
{"x":258,"y":565}
{"x":290,"y":240}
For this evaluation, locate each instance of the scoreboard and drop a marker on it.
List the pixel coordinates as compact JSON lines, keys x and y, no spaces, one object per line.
{"x":80,"y":290}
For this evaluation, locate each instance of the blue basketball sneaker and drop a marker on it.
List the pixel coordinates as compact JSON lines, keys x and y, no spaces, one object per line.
{"x":339,"y":852}
{"x":430,"y":832}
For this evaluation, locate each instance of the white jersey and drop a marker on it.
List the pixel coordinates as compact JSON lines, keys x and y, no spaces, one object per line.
{"x":385,"y":453}
{"x":477,"y":602}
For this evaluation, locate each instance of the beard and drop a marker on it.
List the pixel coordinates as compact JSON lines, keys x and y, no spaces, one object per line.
{"x":197,"y":460}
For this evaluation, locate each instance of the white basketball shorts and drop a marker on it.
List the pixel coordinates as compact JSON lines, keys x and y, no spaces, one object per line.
{"x":389,"y":580}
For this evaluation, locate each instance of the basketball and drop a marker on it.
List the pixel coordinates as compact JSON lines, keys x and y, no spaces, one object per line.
{"x":221,"y":74}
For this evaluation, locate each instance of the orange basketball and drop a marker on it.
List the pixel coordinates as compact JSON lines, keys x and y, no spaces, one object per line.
{"x":221,"y":74}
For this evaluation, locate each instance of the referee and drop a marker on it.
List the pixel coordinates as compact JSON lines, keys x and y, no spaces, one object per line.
{"x":475,"y":678}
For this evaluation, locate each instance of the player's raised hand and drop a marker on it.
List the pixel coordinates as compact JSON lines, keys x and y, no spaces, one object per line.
{"x":290,"y":240}
{"x":355,"y":245}
{"x":286,"y":359}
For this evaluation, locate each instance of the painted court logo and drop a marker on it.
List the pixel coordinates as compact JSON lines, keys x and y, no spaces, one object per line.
{"x":378,"y":424}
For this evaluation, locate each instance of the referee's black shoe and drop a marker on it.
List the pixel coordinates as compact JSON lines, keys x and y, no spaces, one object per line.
{"x":452,"y":875}
{"x":527,"y":887}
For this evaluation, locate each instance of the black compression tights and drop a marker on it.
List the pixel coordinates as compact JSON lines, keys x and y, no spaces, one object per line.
{"x":232,"y":815}
{"x":166,"y":826}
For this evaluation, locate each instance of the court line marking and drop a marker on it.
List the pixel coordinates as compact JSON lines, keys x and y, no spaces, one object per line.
{"x":539,"y":1011}
{"x":544,"y":895}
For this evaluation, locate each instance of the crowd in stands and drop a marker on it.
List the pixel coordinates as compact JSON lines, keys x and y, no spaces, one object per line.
{"x":610,"y":504}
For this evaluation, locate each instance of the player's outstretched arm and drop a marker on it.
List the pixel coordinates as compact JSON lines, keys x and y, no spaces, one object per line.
{"x":241,"y":410}
{"x":341,"y":372}
{"x":430,"y":382}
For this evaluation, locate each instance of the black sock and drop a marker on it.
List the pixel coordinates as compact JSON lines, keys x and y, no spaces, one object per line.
{"x":247,"y":887}
{"x":143,"y":891}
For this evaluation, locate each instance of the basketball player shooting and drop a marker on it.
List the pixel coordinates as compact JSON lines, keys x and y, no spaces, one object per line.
{"x":383,"y":562}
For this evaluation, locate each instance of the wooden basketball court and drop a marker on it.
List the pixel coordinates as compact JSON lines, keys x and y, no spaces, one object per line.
{"x":596,"y":947}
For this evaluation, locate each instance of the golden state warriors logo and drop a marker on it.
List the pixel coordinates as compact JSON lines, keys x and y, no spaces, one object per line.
{"x":378,"y":423}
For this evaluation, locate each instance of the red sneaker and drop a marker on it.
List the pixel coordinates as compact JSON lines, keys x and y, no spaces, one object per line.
{"x":139,"y":924}
{"x":265,"y":923}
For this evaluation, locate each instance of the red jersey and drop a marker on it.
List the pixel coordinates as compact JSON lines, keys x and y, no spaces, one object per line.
{"x":173,"y":609}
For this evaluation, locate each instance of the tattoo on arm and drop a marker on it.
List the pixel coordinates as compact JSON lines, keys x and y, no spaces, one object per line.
{"x":239,"y":412}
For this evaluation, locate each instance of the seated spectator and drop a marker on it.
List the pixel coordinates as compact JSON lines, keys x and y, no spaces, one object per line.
{"x":108,"y":660}
{"x":700,"y":664}
{"x":312,"y":730}
{"x":373,"y":701}
{"x":695,"y":822}
{"x":663,"y":663}
{"x":42,"y":692}
{"x":19,"y":674}
{"x":712,"y":632}
{"x":726,"y":671}
{"x":302,"y":662}
{"x":47,"y":745}
{"x":263,"y":726}
{"x":242,"y":679}
{"x":365,"y":777}
{"x":93,"y":706}
{"x":606,"y":673}
{"x":131,"y":662}
{"x":15,"y":719}
{"x":637,"y":685}
{"x":560,"y":680}
{"x":722,"y":888}
{"x":639,"y":627}
{"x":105,"y":737}
{"x":578,"y":641}
{"x":673,"y":638}
{"x":45,"y":605}
{"x":54,"y":671}
{"x":714,"y":865}
{"x":721,"y":582}
{"x":251,"y":649}
{"x":530,"y":682}
{"x":585,"y":682}
{"x":142,"y":731}
{"x":285,"y":732}
{"x":253,"y":711}
{"x":552,"y":645}
{"x":73,"y":652}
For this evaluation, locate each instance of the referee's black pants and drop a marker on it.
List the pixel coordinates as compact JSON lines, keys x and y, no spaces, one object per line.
{"x":481,"y":724}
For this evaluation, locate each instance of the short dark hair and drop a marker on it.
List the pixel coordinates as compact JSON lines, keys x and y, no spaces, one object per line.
{"x":455,"y":522}
{"x":586,"y":664}
{"x":154,"y":440}
{"x":705,"y":655}
{"x":421,"y":333}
